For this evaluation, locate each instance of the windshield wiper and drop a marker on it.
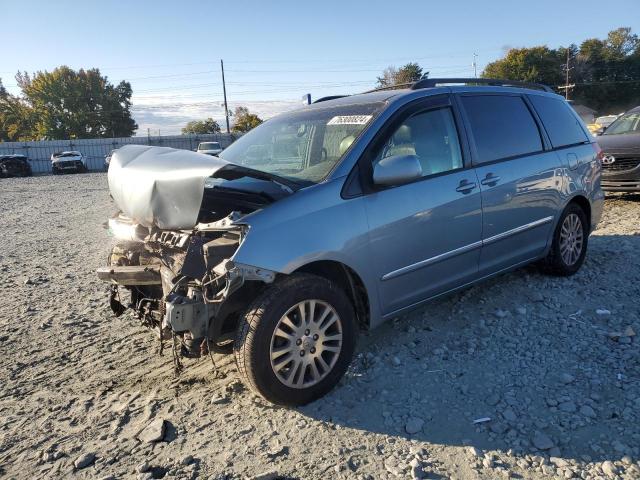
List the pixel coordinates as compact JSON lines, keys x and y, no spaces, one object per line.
{"x":232,"y":171}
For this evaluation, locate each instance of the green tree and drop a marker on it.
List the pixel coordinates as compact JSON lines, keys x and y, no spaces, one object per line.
{"x":536,"y":64}
{"x":16,"y":118}
{"x":244,"y":120}
{"x":77,"y":104}
{"x":199,"y":127}
{"x":409,"y":73}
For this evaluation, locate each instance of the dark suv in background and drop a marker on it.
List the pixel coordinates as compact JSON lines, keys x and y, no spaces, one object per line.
{"x":620,"y":145}
{"x":15,"y":166}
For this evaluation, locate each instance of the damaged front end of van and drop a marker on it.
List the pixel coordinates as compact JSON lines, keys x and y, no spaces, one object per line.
{"x":178,"y":230}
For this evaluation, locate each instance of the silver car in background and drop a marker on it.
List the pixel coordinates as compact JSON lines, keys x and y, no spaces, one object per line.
{"x":349,"y":212}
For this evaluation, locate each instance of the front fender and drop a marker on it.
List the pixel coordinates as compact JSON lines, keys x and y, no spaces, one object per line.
{"x":311,"y":225}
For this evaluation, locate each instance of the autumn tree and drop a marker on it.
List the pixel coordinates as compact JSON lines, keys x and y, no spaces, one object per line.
{"x":244,"y":120}
{"x":77,"y":104}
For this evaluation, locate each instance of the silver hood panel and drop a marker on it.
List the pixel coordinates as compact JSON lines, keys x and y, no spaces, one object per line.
{"x":160,"y":186}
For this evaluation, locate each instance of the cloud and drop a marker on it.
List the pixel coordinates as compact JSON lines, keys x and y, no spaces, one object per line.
{"x":170,"y":117}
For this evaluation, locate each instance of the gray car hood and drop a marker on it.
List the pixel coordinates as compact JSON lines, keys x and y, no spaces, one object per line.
{"x":160,"y":186}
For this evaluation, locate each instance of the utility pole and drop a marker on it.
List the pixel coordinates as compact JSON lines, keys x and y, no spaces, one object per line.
{"x":224,"y":91}
{"x":567,"y":68}
{"x":475,"y":65}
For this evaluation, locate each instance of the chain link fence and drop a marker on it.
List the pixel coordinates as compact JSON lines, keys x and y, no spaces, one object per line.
{"x":94,"y":150}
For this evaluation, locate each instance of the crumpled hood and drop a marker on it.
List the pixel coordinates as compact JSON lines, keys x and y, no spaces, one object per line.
{"x":160,"y":186}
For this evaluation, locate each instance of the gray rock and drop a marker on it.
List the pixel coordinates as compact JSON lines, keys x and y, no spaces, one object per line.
{"x":567,"y":378}
{"x":509,"y":415}
{"x":499,"y":427}
{"x":542,"y":441}
{"x":568,"y":407}
{"x":587,"y":411}
{"x":217,"y":399}
{"x":609,"y":469}
{"x":84,"y":460}
{"x":414,"y":425}
{"x":154,"y":432}
{"x":475,"y":452}
{"x":493,"y":399}
{"x":188,"y":460}
{"x":396,"y":361}
{"x":499,"y":313}
{"x":270,"y":475}
{"x":143,"y":467}
{"x":521,"y":310}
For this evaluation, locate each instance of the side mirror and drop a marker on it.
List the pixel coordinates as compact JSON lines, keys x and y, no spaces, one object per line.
{"x":396,"y":170}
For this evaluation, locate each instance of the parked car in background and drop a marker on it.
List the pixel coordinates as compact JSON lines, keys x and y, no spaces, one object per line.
{"x":107,"y":160}
{"x":209,"y":148}
{"x":344,"y":214}
{"x":68,"y":162}
{"x":600,"y":124}
{"x":15,"y":166}
{"x":620,"y":145}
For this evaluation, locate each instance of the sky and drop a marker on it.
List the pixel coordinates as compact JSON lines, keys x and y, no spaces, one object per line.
{"x":275,"y":52}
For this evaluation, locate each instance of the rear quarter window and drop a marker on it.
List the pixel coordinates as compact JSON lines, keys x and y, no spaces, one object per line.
{"x":502,"y":126}
{"x":561,"y":124}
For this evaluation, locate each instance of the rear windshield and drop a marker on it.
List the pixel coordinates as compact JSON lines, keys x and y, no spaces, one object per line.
{"x":303,"y":145}
{"x":560,"y":121}
{"x":209,"y":146}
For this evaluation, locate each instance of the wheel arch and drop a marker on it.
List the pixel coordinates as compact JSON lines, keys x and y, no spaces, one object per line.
{"x":585,"y":205}
{"x":347,"y":279}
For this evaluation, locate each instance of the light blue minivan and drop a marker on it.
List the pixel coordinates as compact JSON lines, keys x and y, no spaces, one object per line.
{"x":345,"y":213}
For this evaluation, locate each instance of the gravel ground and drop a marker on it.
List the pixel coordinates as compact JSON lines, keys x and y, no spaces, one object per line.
{"x":552,"y":364}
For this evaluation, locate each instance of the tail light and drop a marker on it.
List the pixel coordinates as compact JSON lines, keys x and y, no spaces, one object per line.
{"x":599,"y":153}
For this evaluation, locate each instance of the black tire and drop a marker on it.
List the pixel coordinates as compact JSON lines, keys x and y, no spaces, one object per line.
{"x":554,"y":263}
{"x":256,"y":327}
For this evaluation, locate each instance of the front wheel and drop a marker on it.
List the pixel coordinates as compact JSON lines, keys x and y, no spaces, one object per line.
{"x":570,"y":240}
{"x":296,"y":340}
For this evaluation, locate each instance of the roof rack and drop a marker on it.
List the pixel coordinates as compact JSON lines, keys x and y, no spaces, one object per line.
{"x":329,"y":97}
{"x":434,"y":82}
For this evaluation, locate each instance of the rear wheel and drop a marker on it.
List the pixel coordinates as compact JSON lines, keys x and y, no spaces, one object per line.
{"x":296,"y":340}
{"x":570,"y":240}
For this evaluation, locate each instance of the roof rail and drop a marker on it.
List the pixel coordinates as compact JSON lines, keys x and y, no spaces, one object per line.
{"x":329,"y":97}
{"x":434,"y":82}
{"x":391,"y":87}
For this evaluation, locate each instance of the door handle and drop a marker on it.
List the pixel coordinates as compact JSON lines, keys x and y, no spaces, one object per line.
{"x":490,"y":180}
{"x":465,"y":186}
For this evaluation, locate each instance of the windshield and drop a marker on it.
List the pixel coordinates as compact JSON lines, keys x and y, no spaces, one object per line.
{"x":629,"y":123}
{"x":209,"y":146}
{"x":303,"y":145}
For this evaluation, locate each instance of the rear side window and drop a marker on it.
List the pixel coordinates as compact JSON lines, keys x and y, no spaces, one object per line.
{"x":559,"y":121}
{"x":502,"y":126}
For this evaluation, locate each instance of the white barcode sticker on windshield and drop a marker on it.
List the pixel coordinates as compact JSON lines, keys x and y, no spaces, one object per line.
{"x":349,"y":120}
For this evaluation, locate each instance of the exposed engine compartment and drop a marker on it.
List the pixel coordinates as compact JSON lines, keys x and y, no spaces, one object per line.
{"x":183,"y":284}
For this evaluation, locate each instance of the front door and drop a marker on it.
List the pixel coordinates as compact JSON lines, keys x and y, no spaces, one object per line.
{"x":425,"y":235}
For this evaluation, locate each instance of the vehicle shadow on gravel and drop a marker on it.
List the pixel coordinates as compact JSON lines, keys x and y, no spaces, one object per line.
{"x":523,"y":364}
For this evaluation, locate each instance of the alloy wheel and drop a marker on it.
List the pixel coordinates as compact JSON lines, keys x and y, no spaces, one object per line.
{"x":306,"y":344}
{"x":571,"y":239}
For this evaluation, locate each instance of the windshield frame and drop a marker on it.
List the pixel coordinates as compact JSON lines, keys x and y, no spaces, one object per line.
{"x":375,"y":110}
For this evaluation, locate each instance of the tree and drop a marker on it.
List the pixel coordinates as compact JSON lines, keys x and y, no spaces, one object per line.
{"x":77,"y":104}
{"x":244,"y":120}
{"x":199,"y":127}
{"x":16,"y":117}
{"x":605,"y":72}
{"x":536,"y":64}
{"x":409,"y":73}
